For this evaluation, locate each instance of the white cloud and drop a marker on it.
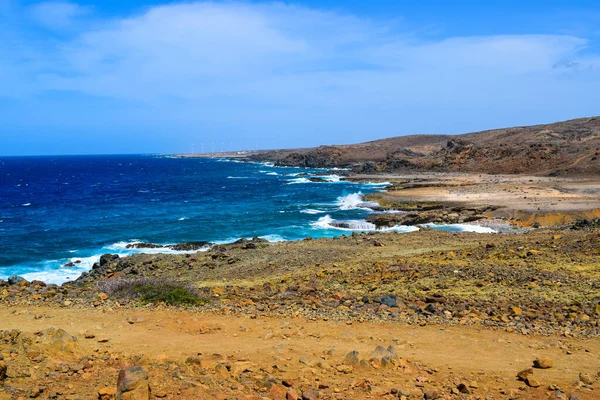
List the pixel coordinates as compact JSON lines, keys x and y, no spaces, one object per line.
{"x":273,"y":64}
{"x":269,"y":52}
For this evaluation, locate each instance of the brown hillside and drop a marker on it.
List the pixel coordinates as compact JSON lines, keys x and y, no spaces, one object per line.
{"x":569,"y":147}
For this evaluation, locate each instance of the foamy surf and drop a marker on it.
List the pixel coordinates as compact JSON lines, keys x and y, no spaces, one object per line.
{"x":460,"y":228}
{"x":352,"y":225}
{"x":312,"y":211}
{"x":298,"y":180}
{"x":354,"y":201}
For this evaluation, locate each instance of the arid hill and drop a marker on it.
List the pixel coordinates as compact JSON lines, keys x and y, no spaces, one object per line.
{"x":562,"y":148}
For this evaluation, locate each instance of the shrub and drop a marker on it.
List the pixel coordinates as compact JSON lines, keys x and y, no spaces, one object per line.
{"x":152,"y":291}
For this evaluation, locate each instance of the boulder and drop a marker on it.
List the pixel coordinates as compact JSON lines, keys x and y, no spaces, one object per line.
{"x":132,"y":384}
{"x":15,"y":280}
{"x":107,"y":258}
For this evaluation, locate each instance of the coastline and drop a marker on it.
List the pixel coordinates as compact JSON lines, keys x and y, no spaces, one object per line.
{"x":381,"y":314}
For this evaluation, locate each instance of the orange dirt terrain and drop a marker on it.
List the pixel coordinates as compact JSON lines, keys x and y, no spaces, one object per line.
{"x":422,"y":315}
{"x":197,"y":356}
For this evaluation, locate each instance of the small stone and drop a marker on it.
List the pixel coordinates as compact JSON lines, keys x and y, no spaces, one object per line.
{"x":107,"y":393}
{"x":89,"y":335}
{"x":311,"y":394}
{"x":194,"y":360}
{"x":344,"y":369}
{"x":352,"y":358}
{"x":102,"y":296}
{"x":431,"y":395}
{"x":542,"y":362}
{"x":132,"y":384}
{"x":291,"y":395}
{"x":586,"y":378}
{"x":523,"y":375}
{"x":462,"y":388}
{"x":532,"y":382}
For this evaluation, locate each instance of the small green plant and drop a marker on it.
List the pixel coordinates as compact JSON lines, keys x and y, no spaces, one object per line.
{"x":152,"y":291}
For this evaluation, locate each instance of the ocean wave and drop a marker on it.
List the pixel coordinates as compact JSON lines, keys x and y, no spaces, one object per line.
{"x":52,"y":271}
{"x":460,"y":228}
{"x":182,"y":219}
{"x":350,"y":202}
{"x":312,"y":211}
{"x":272,"y":173}
{"x":273,"y":238}
{"x":331,"y":178}
{"x":237,"y":177}
{"x":360,"y":225}
{"x":298,"y":180}
{"x":26,"y":204}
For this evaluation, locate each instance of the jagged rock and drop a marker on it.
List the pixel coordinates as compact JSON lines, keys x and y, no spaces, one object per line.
{"x":15,"y":280}
{"x":352,"y":358}
{"x":189,"y":246}
{"x":389,"y":300}
{"x":144,"y":245}
{"x":132,"y":384}
{"x":107,"y":258}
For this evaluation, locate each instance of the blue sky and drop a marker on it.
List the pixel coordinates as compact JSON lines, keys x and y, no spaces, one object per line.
{"x":158,"y":77}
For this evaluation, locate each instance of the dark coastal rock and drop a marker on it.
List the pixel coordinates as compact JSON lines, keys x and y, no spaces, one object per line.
{"x":317,"y":180}
{"x":3,"y":283}
{"x":189,"y":246}
{"x":107,"y":258}
{"x":144,"y":245}
{"x":69,"y":265}
{"x":15,"y":280}
{"x":389,"y":300}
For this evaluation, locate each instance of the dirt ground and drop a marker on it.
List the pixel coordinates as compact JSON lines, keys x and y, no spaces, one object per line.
{"x":485,"y":359}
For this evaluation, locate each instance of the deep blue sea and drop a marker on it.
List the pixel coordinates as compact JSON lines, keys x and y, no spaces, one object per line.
{"x":54,"y":210}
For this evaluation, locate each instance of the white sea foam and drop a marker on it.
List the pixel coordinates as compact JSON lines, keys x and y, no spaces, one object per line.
{"x":298,"y":180}
{"x":182,"y":219}
{"x":272,"y":173}
{"x":461,"y":228}
{"x":121,"y":249}
{"x":312,"y":211}
{"x":350,"y":202}
{"x":331,"y":178}
{"x":273,"y":238}
{"x":237,"y":177}
{"x":360,"y":225}
{"x":51,"y":273}
{"x":26,"y":204}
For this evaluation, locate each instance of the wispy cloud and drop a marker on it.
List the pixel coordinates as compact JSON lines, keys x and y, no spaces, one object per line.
{"x":271,"y":63}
